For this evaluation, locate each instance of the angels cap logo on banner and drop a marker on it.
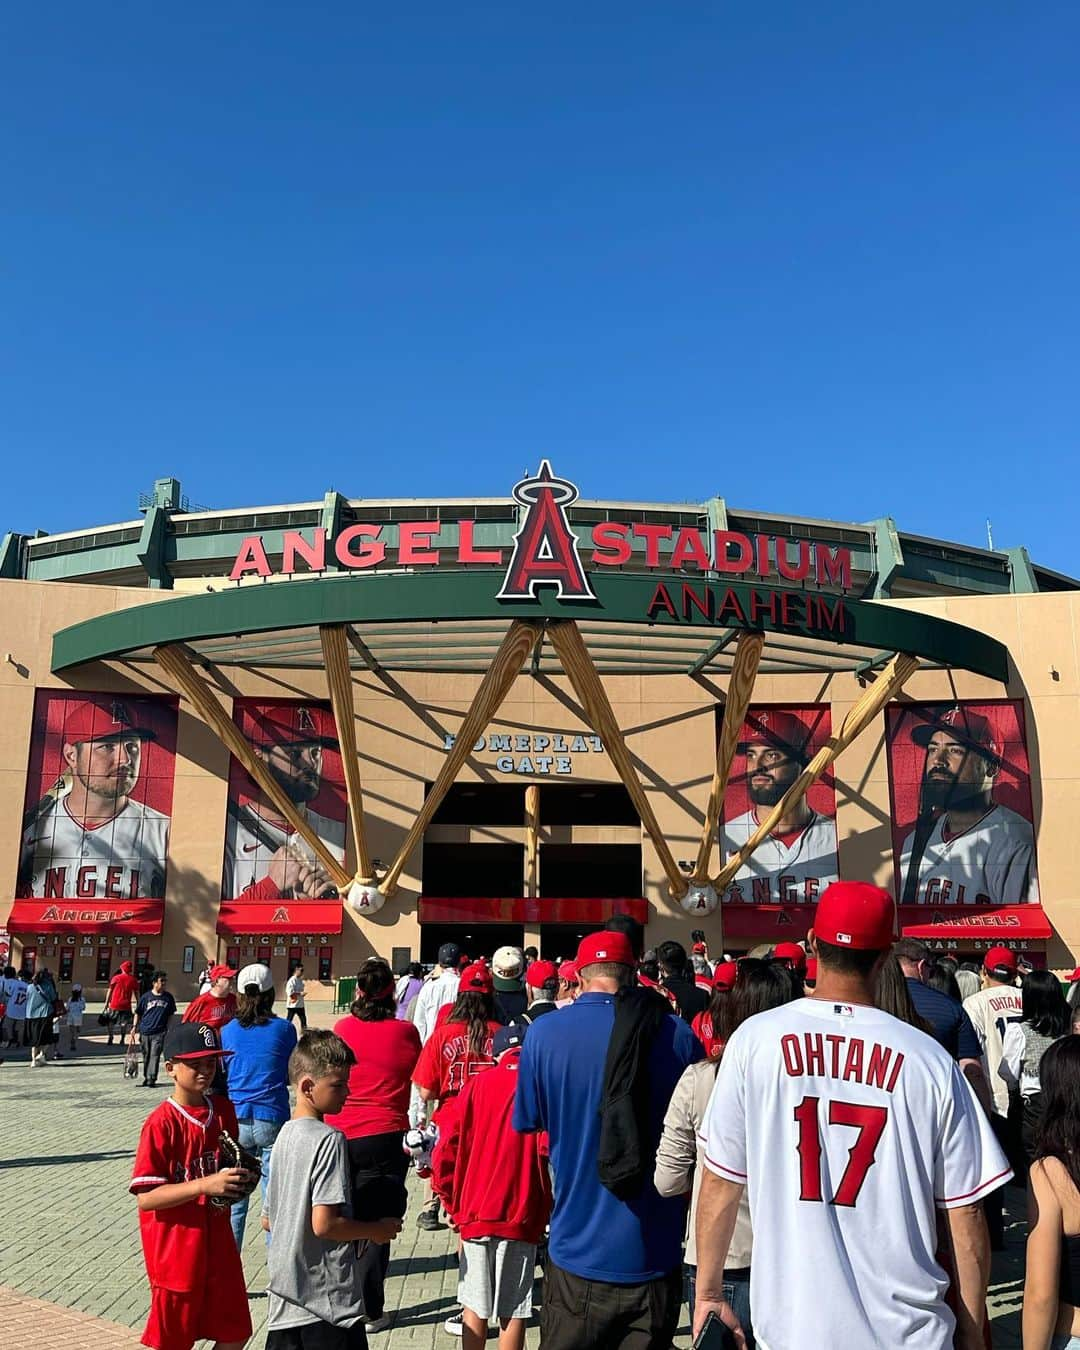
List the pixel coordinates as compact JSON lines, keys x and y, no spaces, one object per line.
{"x":545,"y":548}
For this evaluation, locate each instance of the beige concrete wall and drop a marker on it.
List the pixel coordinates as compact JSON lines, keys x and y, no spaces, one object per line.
{"x":668,"y":723}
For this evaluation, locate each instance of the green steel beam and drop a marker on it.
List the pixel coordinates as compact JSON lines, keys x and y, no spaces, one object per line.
{"x":150,"y":549}
{"x":1022,"y":579}
{"x":713,"y":651}
{"x":889,"y":554}
{"x":423,"y":597}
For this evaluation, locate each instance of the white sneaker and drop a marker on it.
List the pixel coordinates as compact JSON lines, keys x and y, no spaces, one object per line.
{"x":453,"y":1324}
{"x":379,"y":1324}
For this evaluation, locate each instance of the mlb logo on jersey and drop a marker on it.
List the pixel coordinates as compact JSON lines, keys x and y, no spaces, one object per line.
{"x":843,"y":1010}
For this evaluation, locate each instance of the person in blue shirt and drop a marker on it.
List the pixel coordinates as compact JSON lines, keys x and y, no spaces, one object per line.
{"x":258,"y":1071}
{"x":950,"y":1025}
{"x":614,"y":1266}
{"x":153,"y":1013}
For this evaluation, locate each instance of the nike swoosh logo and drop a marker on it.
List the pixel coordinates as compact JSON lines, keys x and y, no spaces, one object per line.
{"x":250,"y":848}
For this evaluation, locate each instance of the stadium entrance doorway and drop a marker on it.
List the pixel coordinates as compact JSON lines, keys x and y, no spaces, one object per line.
{"x":474,"y":939}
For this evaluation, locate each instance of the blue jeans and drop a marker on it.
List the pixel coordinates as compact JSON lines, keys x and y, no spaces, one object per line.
{"x":1065,"y":1343}
{"x":737,"y":1293}
{"x":258,"y":1136}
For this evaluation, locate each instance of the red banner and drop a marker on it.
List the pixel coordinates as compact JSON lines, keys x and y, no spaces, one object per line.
{"x":278,"y":918}
{"x":791,"y":923}
{"x":489,"y":909}
{"x":133,"y":917}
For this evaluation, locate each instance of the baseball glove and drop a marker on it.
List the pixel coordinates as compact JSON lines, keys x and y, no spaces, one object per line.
{"x":234,"y":1154}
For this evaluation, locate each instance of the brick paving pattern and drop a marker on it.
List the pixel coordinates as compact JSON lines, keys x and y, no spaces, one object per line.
{"x":70,"y":1263}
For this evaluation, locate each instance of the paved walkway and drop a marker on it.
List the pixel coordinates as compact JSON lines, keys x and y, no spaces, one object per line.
{"x":70,"y":1264}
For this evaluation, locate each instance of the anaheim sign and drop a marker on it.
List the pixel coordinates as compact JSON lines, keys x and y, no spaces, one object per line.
{"x":547,"y":552}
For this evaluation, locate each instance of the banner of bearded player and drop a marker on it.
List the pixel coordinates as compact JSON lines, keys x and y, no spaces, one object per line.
{"x":264,"y":858}
{"x":961,"y":803}
{"x":798,"y":859}
{"x":99,"y":795}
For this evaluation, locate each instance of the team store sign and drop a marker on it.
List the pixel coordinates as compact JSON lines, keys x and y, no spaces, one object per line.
{"x":540,"y":752}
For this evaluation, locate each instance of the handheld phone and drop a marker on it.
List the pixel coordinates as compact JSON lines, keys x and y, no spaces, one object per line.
{"x":715,"y":1336}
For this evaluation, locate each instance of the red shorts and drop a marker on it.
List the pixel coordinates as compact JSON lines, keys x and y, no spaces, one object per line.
{"x":216,"y":1312}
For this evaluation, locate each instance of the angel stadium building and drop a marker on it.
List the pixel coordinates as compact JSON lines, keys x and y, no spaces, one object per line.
{"x":317,"y":731}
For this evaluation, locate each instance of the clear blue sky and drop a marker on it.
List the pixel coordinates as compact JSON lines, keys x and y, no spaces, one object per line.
{"x":817,"y":258}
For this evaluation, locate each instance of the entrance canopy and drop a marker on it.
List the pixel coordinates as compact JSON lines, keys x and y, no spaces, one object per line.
{"x":130,"y":917}
{"x":454,"y":622}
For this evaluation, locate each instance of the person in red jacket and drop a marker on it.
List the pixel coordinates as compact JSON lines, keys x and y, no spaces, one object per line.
{"x":706,"y":1025}
{"x":123,"y":987}
{"x":496,"y":1188}
{"x":218,"y":1005}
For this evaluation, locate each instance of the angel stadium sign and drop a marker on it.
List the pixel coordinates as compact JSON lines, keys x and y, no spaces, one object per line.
{"x":548,"y":552}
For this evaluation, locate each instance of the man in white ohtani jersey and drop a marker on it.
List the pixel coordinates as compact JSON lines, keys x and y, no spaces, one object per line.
{"x":795,"y":863}
{"x":965,"y":849}
{"x":89,"y":839}
{"x":264,"y":857}
{"x":850,"y":1130}
{"x":991,"y":1009}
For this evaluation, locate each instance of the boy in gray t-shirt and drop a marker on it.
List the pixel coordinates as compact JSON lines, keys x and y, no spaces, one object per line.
{"x":315,"y":1300}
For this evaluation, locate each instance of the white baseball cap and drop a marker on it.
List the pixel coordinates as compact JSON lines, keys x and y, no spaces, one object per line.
{"x":508,"y":962}
{"x":255,"y":974}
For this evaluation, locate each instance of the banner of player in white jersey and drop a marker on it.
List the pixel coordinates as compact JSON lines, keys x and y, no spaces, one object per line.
{"x":265,"y":859}
{"x":98,"y":797}
{"x":961,"y":803}
{"x":798,"y":859}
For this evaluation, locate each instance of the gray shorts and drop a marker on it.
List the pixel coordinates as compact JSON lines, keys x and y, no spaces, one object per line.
{"x":496,"y":1277}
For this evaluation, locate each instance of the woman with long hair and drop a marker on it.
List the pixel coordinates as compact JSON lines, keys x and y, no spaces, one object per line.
{"x":1046,"y":1018}
{"x":758,"y":986}
{"x":375,"y":1116}
{"x":943,"y":978}
{"x":461,"y":1045}
{"x":1051,"y":1313}
{"x":706,"y":1025}
{"x":258,"y":1074}
{"x":892,"y":995}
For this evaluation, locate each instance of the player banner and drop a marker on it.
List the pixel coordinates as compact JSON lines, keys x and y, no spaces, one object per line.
{"x":960,"y":786}
{"x":795,"y":863}
{"x":265,"y":859}
{"x":99,"y":795}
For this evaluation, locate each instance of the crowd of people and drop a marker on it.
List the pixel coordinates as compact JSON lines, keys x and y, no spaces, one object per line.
{"x":813,"y":1134}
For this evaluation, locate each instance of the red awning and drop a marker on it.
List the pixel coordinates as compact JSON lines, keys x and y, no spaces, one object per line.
{"x":278,"y":918}
{"x":983,"y":923}
{"x":132,"y":917}
{"x":780,"y":923}
{"x":562,"y":909}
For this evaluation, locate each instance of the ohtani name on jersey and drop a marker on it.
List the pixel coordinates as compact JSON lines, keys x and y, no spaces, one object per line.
{"x":113,"y":886}
{"x":815,"y":1054}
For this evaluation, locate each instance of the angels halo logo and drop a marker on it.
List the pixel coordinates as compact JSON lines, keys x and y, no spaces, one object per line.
{"x":545,"y":548}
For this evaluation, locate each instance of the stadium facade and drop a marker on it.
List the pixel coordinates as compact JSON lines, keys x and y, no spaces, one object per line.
{"x":313,"y":731}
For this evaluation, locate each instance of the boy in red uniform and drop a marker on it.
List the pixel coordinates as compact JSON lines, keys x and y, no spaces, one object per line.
{"x":495,"y":1185}
{"x":218,"y":1005}
{"x":192,"y":1262}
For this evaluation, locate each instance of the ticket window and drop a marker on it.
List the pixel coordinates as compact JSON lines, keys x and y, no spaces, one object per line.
{"x":326,"y":962}
{"x":296,"y":958}
{"x":67,"y":963}
{"x":263,"y":956}
{"x":104,"y":965}
{"x":142,"y":961}
{"x":29,"y":959}
{"x":232,"y":957}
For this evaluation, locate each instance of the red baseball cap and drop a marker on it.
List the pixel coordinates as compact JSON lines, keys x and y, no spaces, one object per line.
{"x":1075,"y":975}
{"x":291,"y":724}
{"x":605,"y":946}
{"x":568,"y":972}
{"x":476,"y":979}
{"x":540,"y":972}
{"x":1001,"y":961}
{"x":856,"y":914}
{"x":724,"y":973}
{"x":109,"y":720}
{"x":959,"y":724}
{"x":222,"y":973}
{"x":811,"y":971}
{"x":793,"y":953}
{"x":778,"y":729}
